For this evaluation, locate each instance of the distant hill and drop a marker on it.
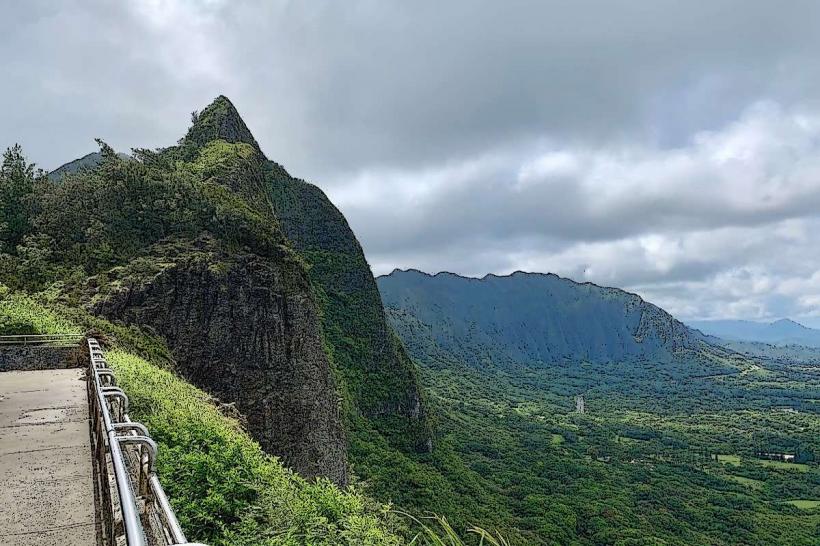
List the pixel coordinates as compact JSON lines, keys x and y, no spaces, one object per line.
{"x":526,"y":318}
{"x":88,"y":161}
{"x":780,"y":332}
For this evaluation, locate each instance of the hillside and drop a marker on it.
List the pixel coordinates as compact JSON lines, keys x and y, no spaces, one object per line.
{"x":531,"y":318}
{"x":667,"y":449}
{"x":190,"y":242}
{"x":225,"y":489}
{"x":779,"y":332}
{"x":88,"y":161}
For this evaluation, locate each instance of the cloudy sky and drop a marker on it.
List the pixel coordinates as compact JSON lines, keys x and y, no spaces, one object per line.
{"x":671,"y":148}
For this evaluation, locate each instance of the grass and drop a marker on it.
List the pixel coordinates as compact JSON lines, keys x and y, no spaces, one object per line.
{"x":733,"y":460}
{"x":800,"y":467}
{"x":804,"y":504}
{"x":20,"y":314}
{"x":748,"y":482}
{"x":437,"y":531}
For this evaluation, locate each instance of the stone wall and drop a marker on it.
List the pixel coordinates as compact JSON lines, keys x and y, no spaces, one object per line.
{"x":38,"y":357}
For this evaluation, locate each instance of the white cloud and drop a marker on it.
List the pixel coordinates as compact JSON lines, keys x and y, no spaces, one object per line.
{"x":669,"y":147}
{"x":727,"y":218}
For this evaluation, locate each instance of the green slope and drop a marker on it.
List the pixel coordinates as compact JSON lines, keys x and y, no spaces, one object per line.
{"x":224,"y":488}
{"x":644,"y":464}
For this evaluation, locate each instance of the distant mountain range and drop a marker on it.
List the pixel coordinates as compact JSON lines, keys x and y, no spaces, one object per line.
{"x":526,"y":318}
{"x":779,"y":332}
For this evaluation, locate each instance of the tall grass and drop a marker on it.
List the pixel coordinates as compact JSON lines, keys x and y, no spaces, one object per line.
{"x":226,"y":490}
{"x":437,"y":531}
{"x":20,"y":314}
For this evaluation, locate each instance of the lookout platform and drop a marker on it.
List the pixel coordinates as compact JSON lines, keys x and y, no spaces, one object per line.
{"x":75,"y":470}
{"x":46,"y":472}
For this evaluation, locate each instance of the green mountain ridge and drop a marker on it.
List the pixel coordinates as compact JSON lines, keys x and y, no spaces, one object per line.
{"x":535,"y":317}
{"x":207,"y":243}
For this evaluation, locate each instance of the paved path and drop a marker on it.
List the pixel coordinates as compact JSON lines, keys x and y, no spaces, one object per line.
{"x":46,"y":481}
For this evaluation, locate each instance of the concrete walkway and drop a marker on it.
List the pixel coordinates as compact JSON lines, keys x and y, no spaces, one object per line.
{"x":46,"y":480}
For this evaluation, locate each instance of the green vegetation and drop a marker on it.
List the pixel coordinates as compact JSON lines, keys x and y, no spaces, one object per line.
{"x":380,"y":385}
{"x":729,"y":459}
{"x":671,"y":450}
{"x":225,"y":489}
{"x":799,"y":467}
{"x":749,"y":482}
{"x":804,"y":504}
{"x":16,"y":184}
{"x":437,"y":531}
{"x":623,"y":472}
{"x":123,"y":221}
{"x":20,"y":314}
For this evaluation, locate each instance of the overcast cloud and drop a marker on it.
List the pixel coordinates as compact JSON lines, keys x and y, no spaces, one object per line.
{"x":670,"y":148}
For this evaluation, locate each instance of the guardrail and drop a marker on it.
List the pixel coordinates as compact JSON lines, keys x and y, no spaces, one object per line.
{"x":125,"y":458}
{"x":50,"y":340}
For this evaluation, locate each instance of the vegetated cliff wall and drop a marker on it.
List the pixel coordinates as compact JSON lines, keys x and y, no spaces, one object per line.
{"x":244,"y":328}
{"x":378,"y":373}
{"x":530,"y":318}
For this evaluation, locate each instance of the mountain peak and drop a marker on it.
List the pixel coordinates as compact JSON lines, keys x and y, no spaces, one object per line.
{"x":787,"y":322}
{"x":220,"y":120}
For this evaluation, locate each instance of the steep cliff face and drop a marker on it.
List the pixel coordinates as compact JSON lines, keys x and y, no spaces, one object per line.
{"x":379,"y":376}
{"x":245,"y":329}
{"x":256,"y":282}
{"x":529,"y":319}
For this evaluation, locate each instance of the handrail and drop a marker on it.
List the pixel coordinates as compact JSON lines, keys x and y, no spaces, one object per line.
{"x":42,"y":339}
{"x":110,"y":419}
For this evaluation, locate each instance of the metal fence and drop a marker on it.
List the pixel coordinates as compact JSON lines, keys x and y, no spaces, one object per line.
{"x":134,"y":507}
{"x":50,"y":340}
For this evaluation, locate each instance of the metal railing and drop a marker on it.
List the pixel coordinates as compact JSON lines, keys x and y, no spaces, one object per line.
{"x":125,"y":457}
{"x":49,"y":340}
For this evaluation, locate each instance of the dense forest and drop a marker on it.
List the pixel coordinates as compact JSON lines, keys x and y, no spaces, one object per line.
{"x":679,"y":450}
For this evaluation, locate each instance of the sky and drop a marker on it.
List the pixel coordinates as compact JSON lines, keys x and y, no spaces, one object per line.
{"x":669,"y":148}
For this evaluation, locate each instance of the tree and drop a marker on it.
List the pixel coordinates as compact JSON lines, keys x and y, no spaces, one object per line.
{"x":16,"y":186}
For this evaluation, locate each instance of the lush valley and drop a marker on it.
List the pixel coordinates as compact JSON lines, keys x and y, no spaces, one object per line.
{"x":223,"y":283}
{"x":667,"y":451}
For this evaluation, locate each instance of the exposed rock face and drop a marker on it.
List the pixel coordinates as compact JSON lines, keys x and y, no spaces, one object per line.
{"x":245,"y":329}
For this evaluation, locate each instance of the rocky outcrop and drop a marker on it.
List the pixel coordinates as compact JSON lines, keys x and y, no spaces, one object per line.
{"x":261,"y":291}
{"x":245,"y":329}
{"x":218,"y":121}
